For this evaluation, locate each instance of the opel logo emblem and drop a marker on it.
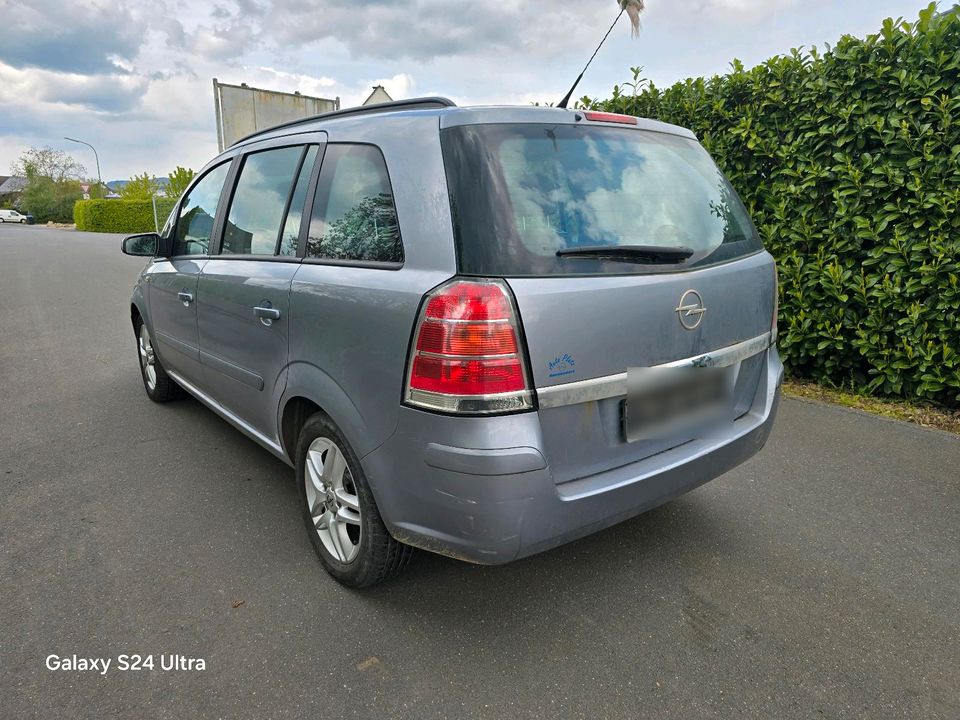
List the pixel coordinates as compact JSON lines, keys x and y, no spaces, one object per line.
{"x":691,"y":310}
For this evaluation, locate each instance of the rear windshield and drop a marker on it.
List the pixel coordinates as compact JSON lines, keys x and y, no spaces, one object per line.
{"x":521,"y":192}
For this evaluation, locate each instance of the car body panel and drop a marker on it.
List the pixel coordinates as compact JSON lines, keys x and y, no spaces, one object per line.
{"x":174,"y":323}
{"x":351,"y":324}
{"x":245,"y":359}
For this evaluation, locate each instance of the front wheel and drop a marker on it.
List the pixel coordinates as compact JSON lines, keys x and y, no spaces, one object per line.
{"x":341,"y":515}
{"x":160,"y":387}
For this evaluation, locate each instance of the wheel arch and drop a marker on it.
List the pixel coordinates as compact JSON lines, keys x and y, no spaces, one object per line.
{"x":309,"y":389}
{"x":293,"y":415}
{"x":138,"y":308}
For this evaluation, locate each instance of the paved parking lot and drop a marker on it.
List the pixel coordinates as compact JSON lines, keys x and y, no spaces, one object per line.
{"x":822,"y":579}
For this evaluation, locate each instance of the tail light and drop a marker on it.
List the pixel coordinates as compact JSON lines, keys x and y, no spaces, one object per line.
{"x":466,"y":356}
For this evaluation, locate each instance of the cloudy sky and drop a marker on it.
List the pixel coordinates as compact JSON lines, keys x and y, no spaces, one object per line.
{"x":134,"y":77}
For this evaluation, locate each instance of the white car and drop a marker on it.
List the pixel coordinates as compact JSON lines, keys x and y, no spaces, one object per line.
{"x":14,"y":216}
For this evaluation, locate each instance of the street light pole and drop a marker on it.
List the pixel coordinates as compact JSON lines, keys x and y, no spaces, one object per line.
{"x":96,"y":157}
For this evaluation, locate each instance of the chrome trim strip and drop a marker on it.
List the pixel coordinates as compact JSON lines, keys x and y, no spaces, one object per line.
{"x":442,"y":356}
{"x":725,"y":357}
{"x":429,"y":400}
{"x":254,"y":434}
{"x":611,"y":386}
{"x":455,"y":321}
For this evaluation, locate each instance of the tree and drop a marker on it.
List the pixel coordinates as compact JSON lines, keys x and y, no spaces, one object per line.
{"x":140,"y":187}
{"x":52,"y":183}
{"x":49,"y":199}
{"x":179,"y":180}
{"x":47,"y":162}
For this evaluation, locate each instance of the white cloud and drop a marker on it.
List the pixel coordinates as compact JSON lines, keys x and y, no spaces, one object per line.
{"x":294,"y":82}
{"x":98,"y":93}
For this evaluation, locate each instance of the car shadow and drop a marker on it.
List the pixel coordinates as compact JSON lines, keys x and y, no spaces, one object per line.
{"x":617,"y":570}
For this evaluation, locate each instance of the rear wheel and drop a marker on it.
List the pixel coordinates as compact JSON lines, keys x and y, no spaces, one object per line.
{"x":160,"y":387}
{"x":339,"y":510}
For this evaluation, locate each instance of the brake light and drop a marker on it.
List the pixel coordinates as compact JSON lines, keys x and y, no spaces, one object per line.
{"x":610,"y":117}
{"x":466,"y":356}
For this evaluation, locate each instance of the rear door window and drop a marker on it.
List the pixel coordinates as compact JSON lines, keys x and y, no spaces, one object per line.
{"x":521,"y":193}
{"x":354,"y":217}
{"x":260,"y":201}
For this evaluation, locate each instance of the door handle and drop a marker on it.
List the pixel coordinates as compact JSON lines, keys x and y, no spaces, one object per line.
{"x":185,"y":297}
{"x":266,"y":313}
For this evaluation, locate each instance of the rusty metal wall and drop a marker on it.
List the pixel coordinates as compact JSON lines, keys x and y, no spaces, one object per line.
{"x":242,"y":110}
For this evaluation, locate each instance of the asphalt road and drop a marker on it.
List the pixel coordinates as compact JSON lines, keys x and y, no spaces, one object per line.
{"x":821,"y":579}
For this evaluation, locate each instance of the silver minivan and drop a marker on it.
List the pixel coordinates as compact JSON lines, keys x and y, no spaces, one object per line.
{"x":481,"y":332}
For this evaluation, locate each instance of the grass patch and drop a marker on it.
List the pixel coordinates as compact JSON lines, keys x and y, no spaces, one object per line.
{"x":919,"y":413}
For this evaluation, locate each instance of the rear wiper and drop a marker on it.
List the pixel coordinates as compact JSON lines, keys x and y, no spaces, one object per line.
{"x":629,"y":253}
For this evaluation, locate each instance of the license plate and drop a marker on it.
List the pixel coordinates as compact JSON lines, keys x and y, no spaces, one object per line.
{"x":664,"y":403}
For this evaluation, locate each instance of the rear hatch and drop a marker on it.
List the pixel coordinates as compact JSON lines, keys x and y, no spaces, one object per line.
{"x":602,"y":232}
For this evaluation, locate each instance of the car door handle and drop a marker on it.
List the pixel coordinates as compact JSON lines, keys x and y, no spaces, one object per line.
{"x":185,"y":297}
{"x":266,"y":314}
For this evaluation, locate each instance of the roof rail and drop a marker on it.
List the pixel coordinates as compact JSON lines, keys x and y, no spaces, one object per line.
{"x":423,"y":103}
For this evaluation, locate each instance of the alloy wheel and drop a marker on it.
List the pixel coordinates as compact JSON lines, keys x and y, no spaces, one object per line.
{"x":148,"y":360}
{"x":333,"y":500}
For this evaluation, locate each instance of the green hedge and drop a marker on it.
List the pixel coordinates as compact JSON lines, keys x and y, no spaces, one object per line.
{"x":120,"y":216}
{"x":850,"y":164}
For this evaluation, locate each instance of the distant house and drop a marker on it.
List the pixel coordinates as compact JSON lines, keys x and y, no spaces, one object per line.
{"x":379,"y":95}
{"x":12,"y":184}
{"x":113,"y":189}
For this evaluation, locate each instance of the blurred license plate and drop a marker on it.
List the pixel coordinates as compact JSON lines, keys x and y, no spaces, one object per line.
{"x":664,"y":403}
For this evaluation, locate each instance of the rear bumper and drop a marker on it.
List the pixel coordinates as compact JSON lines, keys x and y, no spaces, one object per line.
{"x":480,"y":489}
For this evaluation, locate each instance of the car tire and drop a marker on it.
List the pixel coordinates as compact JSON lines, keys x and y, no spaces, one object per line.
{"x":22,"y":222}
{"x":339,"y":510}
{"x":160,"y":387}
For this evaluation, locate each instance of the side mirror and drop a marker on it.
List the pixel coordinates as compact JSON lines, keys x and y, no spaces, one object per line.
{"x":145,"y":245}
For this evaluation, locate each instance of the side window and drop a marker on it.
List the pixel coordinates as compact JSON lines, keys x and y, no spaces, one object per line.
{"x":259,"y":201}
{"x":354,"y":217}
{"x":291,"y":227}
{"x":198,"y":212}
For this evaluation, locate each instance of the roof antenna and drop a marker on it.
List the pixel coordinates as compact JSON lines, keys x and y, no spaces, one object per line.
{"x":633,"y":8}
